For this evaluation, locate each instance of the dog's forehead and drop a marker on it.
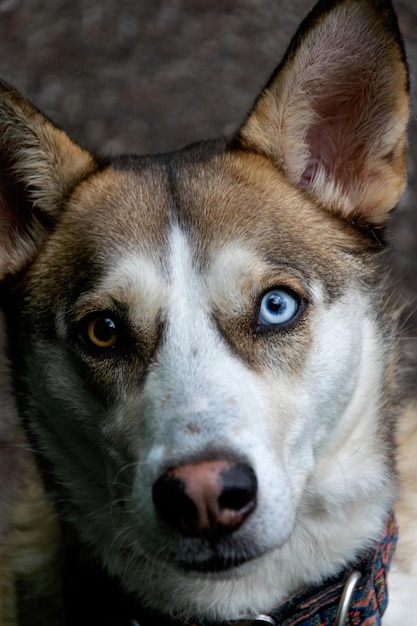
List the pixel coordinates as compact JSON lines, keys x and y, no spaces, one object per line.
{"x":227,"y":197}
{"x":235,"y":211}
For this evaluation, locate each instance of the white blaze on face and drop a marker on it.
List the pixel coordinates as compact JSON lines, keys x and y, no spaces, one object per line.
{"x":201,"y":400}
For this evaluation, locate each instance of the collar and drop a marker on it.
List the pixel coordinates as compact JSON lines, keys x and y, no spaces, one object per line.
{"x":356,"y":597}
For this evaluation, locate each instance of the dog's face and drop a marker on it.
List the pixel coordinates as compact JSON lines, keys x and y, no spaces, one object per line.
{"x":213,"y":339}
{"x":197,"y":337}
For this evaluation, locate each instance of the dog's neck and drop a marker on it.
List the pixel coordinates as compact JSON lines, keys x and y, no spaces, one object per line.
{"x":356,"y":595}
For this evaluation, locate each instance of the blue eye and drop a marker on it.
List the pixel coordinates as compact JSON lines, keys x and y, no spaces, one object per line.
{"x":278,"y":306}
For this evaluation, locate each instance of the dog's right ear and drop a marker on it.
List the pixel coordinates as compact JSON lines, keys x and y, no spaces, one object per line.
{"x":39,"y":167}
{"x":333,"y":116}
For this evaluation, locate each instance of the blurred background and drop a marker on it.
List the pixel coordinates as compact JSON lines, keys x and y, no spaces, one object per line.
{"x":153,"y":75}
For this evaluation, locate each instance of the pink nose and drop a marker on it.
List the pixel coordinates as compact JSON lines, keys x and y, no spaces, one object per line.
{"x":209,"y":498}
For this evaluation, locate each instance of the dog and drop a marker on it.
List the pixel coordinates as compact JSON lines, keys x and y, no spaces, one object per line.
{"x":204,"y":355}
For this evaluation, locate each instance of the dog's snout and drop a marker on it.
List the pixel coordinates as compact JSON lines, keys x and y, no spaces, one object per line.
{"x":209,"y":498}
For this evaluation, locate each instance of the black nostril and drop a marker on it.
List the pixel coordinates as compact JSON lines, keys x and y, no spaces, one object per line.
{"x":239,"y":488}
{"x":170,"y":499}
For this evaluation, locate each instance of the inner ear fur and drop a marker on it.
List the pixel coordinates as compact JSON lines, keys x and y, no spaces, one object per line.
{"x":333,"y":116}
{"x":39,"y":166}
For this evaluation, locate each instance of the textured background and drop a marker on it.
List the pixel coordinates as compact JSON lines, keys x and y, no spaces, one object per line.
{"x":152,"y":75}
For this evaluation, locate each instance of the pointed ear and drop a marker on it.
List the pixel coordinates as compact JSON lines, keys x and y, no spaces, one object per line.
{"x":333,"y":116}
{"x":39,"y":167}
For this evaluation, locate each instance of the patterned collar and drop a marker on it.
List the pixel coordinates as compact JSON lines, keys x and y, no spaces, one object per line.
{"x":357,"y":597}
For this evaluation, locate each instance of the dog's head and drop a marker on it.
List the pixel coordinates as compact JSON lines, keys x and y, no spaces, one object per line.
{"x":200,"y":340}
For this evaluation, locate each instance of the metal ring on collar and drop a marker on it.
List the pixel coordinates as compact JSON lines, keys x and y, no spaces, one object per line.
{"x":346,"y":599}
{"x":257,"y":620}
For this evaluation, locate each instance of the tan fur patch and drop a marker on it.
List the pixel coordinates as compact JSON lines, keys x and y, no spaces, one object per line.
{"x":406,"y":507}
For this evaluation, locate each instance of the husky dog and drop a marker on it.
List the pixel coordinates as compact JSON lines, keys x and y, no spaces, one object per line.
{"x":203,"y":349}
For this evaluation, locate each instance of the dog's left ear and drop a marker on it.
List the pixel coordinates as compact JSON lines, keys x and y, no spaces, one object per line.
{"x":39,"y":167}
{"x":333,"y":116}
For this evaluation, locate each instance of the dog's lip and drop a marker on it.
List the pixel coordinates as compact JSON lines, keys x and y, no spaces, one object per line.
{"x":211,"y":558}
{"x":214,"y":564}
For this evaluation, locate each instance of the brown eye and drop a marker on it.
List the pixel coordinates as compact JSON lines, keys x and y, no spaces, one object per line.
{"x":102,"y":332}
